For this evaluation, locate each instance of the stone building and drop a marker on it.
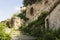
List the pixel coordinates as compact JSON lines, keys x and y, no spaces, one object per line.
{"x":34,"y":10}
{"x":17,"y":22}
{"x":14,"y":22}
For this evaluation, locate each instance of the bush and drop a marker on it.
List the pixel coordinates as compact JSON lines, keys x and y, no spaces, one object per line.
{"x":3,"y":35}
{"x":22,"y":16}
{"x":26,"y":2}
{"x":50,"y":35}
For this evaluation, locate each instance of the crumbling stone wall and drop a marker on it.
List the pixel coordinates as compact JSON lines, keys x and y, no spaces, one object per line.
{"x":14,"y":22}
{"x":44,"y":5}
{"x":52,"y":6}
{"x":17,"y":22}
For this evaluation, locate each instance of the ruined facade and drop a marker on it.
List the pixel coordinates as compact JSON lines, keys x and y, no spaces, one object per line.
{"x":14,"y":22}
{"x":52,"y":20}
{"x":43,"y":5}
{"x":17,"y":22}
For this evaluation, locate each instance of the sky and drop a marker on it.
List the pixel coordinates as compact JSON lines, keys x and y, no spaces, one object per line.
{"x":8,"y":8}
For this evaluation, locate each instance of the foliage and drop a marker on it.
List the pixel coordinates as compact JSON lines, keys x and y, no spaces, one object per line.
{"x":26,"y":2}
{"x":22,"y":16}
{"x":50,"y":35}
{"x":3,"y":35}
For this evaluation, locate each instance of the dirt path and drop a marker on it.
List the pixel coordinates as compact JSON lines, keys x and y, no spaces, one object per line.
{"x":18,"y":35}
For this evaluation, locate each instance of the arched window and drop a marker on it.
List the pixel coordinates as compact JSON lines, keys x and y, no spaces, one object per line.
{"x":31,"y":11}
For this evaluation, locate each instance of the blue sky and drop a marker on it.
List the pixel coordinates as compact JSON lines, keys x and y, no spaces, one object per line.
{"x":8,"y":8}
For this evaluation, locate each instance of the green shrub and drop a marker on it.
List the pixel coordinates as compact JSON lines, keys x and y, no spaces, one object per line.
{"x":22,"y":16}
{"x":50,"y":35}
{"x":26,"y":2}
{"x":3,"y":35}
